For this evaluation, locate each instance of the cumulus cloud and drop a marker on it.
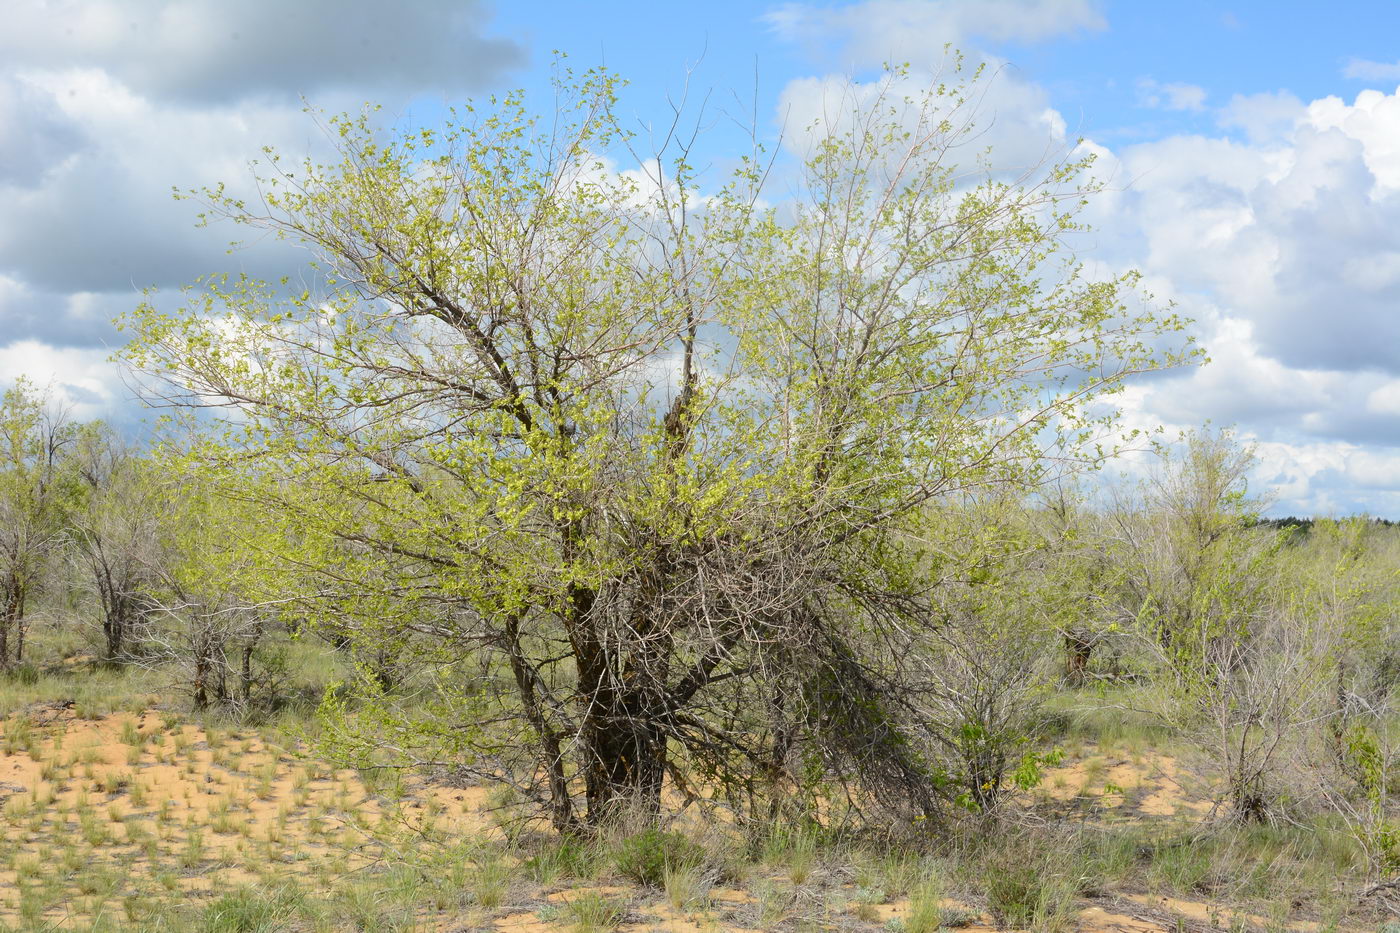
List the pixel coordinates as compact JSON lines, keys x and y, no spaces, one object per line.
{"x":1263,"y":117}
{"x":78,"y":379}
{"x":1295,"y":231}
{"x":107,"y":104}
{"x":104,"y":219}
{"x":214,"y":50}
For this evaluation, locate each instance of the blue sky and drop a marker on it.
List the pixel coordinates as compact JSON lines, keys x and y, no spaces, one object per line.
{"x":1092,"y":74}
{"x":1252,"y":152}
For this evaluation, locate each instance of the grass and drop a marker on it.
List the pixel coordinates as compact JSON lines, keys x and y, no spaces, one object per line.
{"x":490,"y":880}
{"x":794,"y":850}
{"x":238,"y":826}
{"x":685,"y":886}
{"x":925,"y":909}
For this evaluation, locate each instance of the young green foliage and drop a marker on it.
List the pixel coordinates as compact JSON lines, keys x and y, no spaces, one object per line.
{"x":618,"y":474}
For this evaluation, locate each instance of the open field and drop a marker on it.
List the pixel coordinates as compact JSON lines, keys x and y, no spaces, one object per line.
{"x":120,"y":812}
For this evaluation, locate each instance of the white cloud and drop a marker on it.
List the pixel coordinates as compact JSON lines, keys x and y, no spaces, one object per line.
{"x":1363,"y":70}
{"x":1384,"y":400}
{"x":1373,"y":121}
{"x":81,"y":380}
{"x":1296,"y":231}
{"x":220,"y":50}
{"x":1374,"y":469}
{"x":1171,"y":96}
{"x":104,"y":219}
{"x":1264,"y":117}
{"x":107,"y":104}
{"x":1012,"y":117}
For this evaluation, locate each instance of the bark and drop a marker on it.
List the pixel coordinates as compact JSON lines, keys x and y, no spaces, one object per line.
{"x":627,"y":760}
{"x":1079,"y":650}
{"x":12,"y":624}
{"x":552,"y":760}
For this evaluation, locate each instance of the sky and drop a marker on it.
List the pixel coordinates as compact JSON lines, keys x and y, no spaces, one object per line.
{"x":1251,"y":153}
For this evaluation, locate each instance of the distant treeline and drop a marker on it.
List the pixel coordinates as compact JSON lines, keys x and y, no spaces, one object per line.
{"x":1305,"y":525}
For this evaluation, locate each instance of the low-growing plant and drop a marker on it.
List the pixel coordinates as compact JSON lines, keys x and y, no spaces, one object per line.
{"x":925,"y":909}
{"x":490,"y":879}
{"x":250,"y":911}
{"x":646,"y":856}
{"x":591,"y":912}
{"x":685,"y":885}
{"x":562,"y":857}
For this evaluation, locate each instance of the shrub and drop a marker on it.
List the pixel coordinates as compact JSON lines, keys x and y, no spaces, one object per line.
{"x":646,"y":856}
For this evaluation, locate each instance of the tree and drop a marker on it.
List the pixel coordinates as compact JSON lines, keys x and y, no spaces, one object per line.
{"x":202,"y":619}
{"x":1246,"y":664}
{"x":115,"y":536}
{"x":37,"y":487}
{"x":631,"y":468}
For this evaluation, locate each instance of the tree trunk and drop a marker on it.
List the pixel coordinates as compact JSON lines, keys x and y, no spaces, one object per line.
{"x":626,"y":760}
{"x":245,"y":685}
{"x":201,"y":678}
{"x":114,"y":625}
{"x":1079,"y":649}
{"x":552,"y":758}
{"x":17,"y":622}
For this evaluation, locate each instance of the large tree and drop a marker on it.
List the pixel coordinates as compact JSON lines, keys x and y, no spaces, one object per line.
{"x":629,"y":460}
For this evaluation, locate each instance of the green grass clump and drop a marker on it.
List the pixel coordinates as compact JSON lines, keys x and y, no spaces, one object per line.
{"x":647,"y":856}
{"x":565,"y":857}
{"x":249,"y":911}
{"x":592,"y":912}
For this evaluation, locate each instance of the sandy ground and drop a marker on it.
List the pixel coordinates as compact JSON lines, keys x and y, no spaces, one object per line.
{"x":186,"y":810}
{"x":188,"y":813}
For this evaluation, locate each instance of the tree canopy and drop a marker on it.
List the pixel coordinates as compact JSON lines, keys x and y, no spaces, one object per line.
{"x":628,"y":462}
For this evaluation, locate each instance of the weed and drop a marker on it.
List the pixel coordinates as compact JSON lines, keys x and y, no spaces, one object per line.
{"x":131,"y":734}
{"x":563,"y":858}
{"x":794,"y":848}
{"x":489,"y":882}
{"x":925,"y":910}
{"x":193,"y":854}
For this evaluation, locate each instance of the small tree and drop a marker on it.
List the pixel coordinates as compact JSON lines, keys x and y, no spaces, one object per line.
{"x":115,"y":536}
{"x":202,"y":618}
{"x":37,"y":489}
{"x":1245,"y":666}
{"x":631,"y":468}
{"x":1002,"y":595}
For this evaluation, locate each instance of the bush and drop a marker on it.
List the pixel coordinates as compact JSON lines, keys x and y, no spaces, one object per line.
{"x":647,"y":856}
